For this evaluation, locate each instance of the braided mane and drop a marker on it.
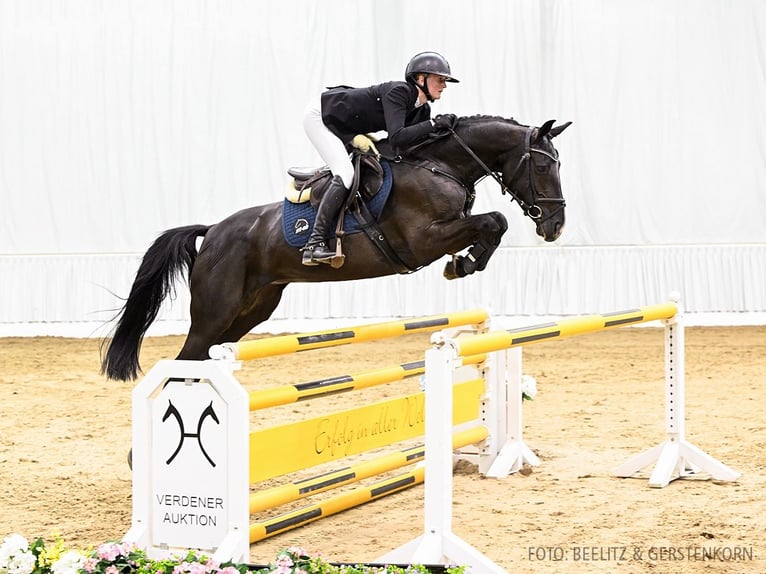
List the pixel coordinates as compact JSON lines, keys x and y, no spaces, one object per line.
{"x":484,"y":117}
{"x":439,"y":138}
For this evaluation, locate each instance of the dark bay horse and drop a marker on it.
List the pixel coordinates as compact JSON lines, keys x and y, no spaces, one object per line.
{"x":244,"y":263}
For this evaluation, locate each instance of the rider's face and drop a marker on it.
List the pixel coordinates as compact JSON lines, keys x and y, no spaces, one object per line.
{"x":436,"y":85}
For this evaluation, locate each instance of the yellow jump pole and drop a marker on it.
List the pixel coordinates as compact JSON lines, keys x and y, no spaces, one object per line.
{"x":284,"y":344}
{"x":287,"y":394}
{"x":285,"y":493}
{"x":334,"y":505}
{"x":498,"y":340}
{"x":350,"y":499}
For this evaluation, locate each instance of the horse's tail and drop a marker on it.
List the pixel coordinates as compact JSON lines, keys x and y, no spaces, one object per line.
{"x":155,"y":278}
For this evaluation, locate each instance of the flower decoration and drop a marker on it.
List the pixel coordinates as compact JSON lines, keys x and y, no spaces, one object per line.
{"x":17,"y":556}
{"x":296,"y":560}
{"x":528,"y":387}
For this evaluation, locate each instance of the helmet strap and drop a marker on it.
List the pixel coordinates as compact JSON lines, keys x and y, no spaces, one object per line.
{"x":424,"y":87}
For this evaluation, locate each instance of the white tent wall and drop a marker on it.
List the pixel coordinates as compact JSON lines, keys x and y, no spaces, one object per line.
{"x":119,"y":120}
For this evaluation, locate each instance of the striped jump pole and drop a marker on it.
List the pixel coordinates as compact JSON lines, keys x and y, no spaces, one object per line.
{"x":498,"y":340}
{"x":287,"y":394}
{"x":285,"y":344}
{"x":335,"y":504}
{"x":303,"y":488}
{"x":500,"y":344}
{"x":676,"y":458}
{"x":284,"y":493}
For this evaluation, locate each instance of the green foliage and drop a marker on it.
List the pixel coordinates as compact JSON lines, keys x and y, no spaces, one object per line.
{"x":17,"y":556}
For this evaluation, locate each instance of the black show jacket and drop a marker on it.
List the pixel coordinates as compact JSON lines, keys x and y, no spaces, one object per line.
{"x":389,"y":106}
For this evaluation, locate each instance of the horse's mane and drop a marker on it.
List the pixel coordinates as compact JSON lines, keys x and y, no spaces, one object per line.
{"x":442,"y":137}
{"x":485,"y":118}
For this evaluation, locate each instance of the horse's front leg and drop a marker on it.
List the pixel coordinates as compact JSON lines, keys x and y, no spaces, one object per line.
{"x":486,"y":231}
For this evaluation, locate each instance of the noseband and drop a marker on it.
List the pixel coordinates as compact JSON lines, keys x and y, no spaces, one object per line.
{"x":533,"y":211}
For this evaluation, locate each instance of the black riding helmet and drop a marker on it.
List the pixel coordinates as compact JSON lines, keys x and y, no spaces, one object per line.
{"x":428,"y":63}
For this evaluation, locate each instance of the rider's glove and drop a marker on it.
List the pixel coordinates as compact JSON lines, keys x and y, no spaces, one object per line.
{"x":444,"y":122}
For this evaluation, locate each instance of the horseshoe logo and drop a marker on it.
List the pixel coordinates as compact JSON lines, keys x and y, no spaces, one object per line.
{"x":208,"y":412}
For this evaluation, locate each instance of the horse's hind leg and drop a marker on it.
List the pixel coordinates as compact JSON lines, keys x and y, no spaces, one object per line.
{"x":266,"y":300}
{"x":205,"y":331}
{"x":217,"y":298}
{"x":227,"y":320}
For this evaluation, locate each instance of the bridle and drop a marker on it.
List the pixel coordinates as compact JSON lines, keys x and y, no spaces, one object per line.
{"x":533,"y":211}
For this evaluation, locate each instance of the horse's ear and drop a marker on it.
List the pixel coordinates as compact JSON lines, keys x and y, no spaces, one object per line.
{"x":543,"y":130}
{"x":558,"y":129}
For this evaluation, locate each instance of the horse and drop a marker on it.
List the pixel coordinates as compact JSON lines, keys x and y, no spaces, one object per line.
{"x":238,"y":275}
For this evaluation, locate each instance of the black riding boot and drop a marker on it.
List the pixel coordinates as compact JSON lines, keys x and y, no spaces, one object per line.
{"x":316,"y":250}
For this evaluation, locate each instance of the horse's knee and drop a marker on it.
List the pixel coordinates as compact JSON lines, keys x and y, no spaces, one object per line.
{"x":490,"y":231}
{"x":482,"y":251}
{"x":501,"y":226}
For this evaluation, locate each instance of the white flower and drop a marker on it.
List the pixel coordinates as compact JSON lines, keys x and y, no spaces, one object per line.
{"x":528,"y":387}
{"x":70,"y":562}
{"x":24,"y":563}
{"x":15,"y":556}
{"x":13,"y":544}
{"x":21,"y":563}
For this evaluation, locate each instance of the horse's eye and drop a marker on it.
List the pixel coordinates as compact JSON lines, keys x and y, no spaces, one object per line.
{"x":541,"y":169}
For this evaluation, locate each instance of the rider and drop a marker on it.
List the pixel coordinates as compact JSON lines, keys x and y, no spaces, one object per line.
{"x":399,"y":108}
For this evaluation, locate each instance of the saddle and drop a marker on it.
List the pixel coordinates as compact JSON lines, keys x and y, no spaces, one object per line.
{"x":309,"y":184}
{"x":370,"y":188}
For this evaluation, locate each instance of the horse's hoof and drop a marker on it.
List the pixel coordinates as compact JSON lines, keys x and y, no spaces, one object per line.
{"x":456,"y":268}
{"x":449,"y":270}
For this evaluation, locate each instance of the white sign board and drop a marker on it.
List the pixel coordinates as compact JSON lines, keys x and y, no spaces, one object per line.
{"x":191,"y":461}
{"x":189,"y":466}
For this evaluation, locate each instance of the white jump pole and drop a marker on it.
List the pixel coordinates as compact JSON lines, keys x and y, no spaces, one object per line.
{"x":505,"y":374}
{"x":438,"y":544}
{"x":675,"y":457}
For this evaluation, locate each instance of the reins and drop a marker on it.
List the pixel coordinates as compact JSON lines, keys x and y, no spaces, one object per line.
{"x":533,"y":211}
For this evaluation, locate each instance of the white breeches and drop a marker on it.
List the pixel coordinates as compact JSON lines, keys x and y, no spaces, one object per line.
{"x":330,"y":148}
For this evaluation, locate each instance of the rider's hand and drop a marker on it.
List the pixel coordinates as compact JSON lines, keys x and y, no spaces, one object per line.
{"x":444,"y":122}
